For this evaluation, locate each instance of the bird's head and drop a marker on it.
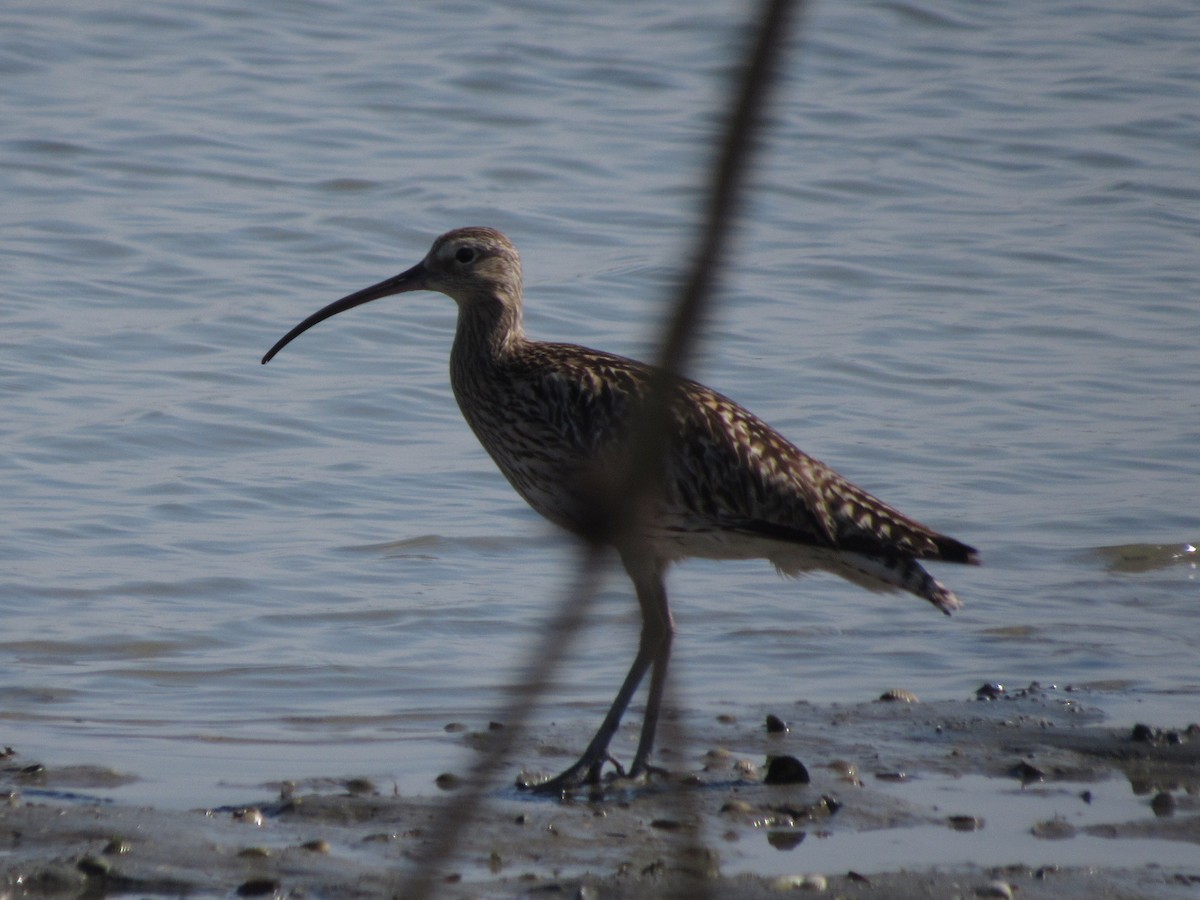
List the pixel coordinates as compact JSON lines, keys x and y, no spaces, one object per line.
{"x":476,"y":267}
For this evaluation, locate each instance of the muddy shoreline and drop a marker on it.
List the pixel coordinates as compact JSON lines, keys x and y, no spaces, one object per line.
{"x":907,"y":799}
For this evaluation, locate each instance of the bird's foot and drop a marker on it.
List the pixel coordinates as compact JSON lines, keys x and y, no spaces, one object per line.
{"x":584,"y":773}
{"x":644,"y":772}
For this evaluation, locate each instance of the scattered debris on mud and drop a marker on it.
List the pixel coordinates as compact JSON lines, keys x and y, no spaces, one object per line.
{"x":1015,"y":793}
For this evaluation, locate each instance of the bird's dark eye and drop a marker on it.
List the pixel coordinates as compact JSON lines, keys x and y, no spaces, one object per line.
{"x":465,"y":254}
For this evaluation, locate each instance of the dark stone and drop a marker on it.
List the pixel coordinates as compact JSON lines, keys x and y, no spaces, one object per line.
{"x":785,"y":770}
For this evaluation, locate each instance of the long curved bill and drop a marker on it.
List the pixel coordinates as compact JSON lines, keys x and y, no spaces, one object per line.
{"x":411,"y":280}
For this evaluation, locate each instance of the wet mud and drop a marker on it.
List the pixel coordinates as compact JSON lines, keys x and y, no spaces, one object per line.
{"x":1013,"y":794}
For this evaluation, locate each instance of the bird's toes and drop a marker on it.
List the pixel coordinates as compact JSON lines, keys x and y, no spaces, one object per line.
{"x":645,"y":772}
{"x":578,"y":776}
{"x":541,"y":783}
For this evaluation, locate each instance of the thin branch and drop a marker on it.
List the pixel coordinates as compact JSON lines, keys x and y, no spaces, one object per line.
{"x":551,"y":648}
{"x":649,"y":437}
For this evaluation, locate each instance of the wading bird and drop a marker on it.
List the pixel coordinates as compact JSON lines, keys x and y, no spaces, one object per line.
{"x":556,"y":418}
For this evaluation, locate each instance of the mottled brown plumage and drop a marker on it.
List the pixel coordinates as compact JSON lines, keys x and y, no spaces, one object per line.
{"x":555,"y":418}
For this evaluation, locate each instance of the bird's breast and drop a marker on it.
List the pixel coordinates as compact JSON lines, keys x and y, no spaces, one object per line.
{"x":548,"y":437}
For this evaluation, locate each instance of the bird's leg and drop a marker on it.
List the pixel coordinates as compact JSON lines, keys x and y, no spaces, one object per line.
{"x":654,"y":648}
{"x":587,"y":769}
{"x":656,"y":619}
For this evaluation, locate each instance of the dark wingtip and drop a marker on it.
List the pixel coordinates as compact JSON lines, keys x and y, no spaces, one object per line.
{"x":957,"y":552}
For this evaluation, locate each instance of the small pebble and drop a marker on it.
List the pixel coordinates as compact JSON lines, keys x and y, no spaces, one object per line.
{"x":785,"y":770}
{"x":1163,"y":805}
{"x":254,"y":853}
{"x":1143,"y":734}
{"x":117,"y":847}
{"x":94,"y":866}
{"x":250,"y":816}
{"x":776,"y":821}
{"x":1055,"y":829}
{"x":447,"y":781}
{"x":800,"y":883}
{"x":257,"y":887}
{"x":317,"y":846}
{"x":776,"y":725}
{"x":737,"y":807}
{"x":830,"y":804}
{"x":989,"y":690}
{"x":898,"y":695}
{"x":965,"y":823}
{"x":454,"y":727}
{"x":1026,"y":772}
{"x":785,"y":840}
{"x":746,"y":768}
{"x":360,"y":786}
{"x":996,"y":889}
{"x":385,"y":837}
{"x":846,"y":771}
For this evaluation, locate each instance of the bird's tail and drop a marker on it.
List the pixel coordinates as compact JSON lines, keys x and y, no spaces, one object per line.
{"x":876,"y":573}
{"x":906,"y":574}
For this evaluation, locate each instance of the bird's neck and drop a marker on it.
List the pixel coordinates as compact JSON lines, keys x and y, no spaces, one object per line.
{"x":489,"y":332}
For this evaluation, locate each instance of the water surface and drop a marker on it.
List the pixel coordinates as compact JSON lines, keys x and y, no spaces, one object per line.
{"x":966,"y":277}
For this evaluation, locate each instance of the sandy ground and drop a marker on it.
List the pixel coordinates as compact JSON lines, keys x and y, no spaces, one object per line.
{"x":937,"y":783}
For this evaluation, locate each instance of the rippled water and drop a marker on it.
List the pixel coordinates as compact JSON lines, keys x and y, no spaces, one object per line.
{"x":967,"y":277}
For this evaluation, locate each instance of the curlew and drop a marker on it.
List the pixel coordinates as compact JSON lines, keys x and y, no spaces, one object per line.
{"x":555,"y":419}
